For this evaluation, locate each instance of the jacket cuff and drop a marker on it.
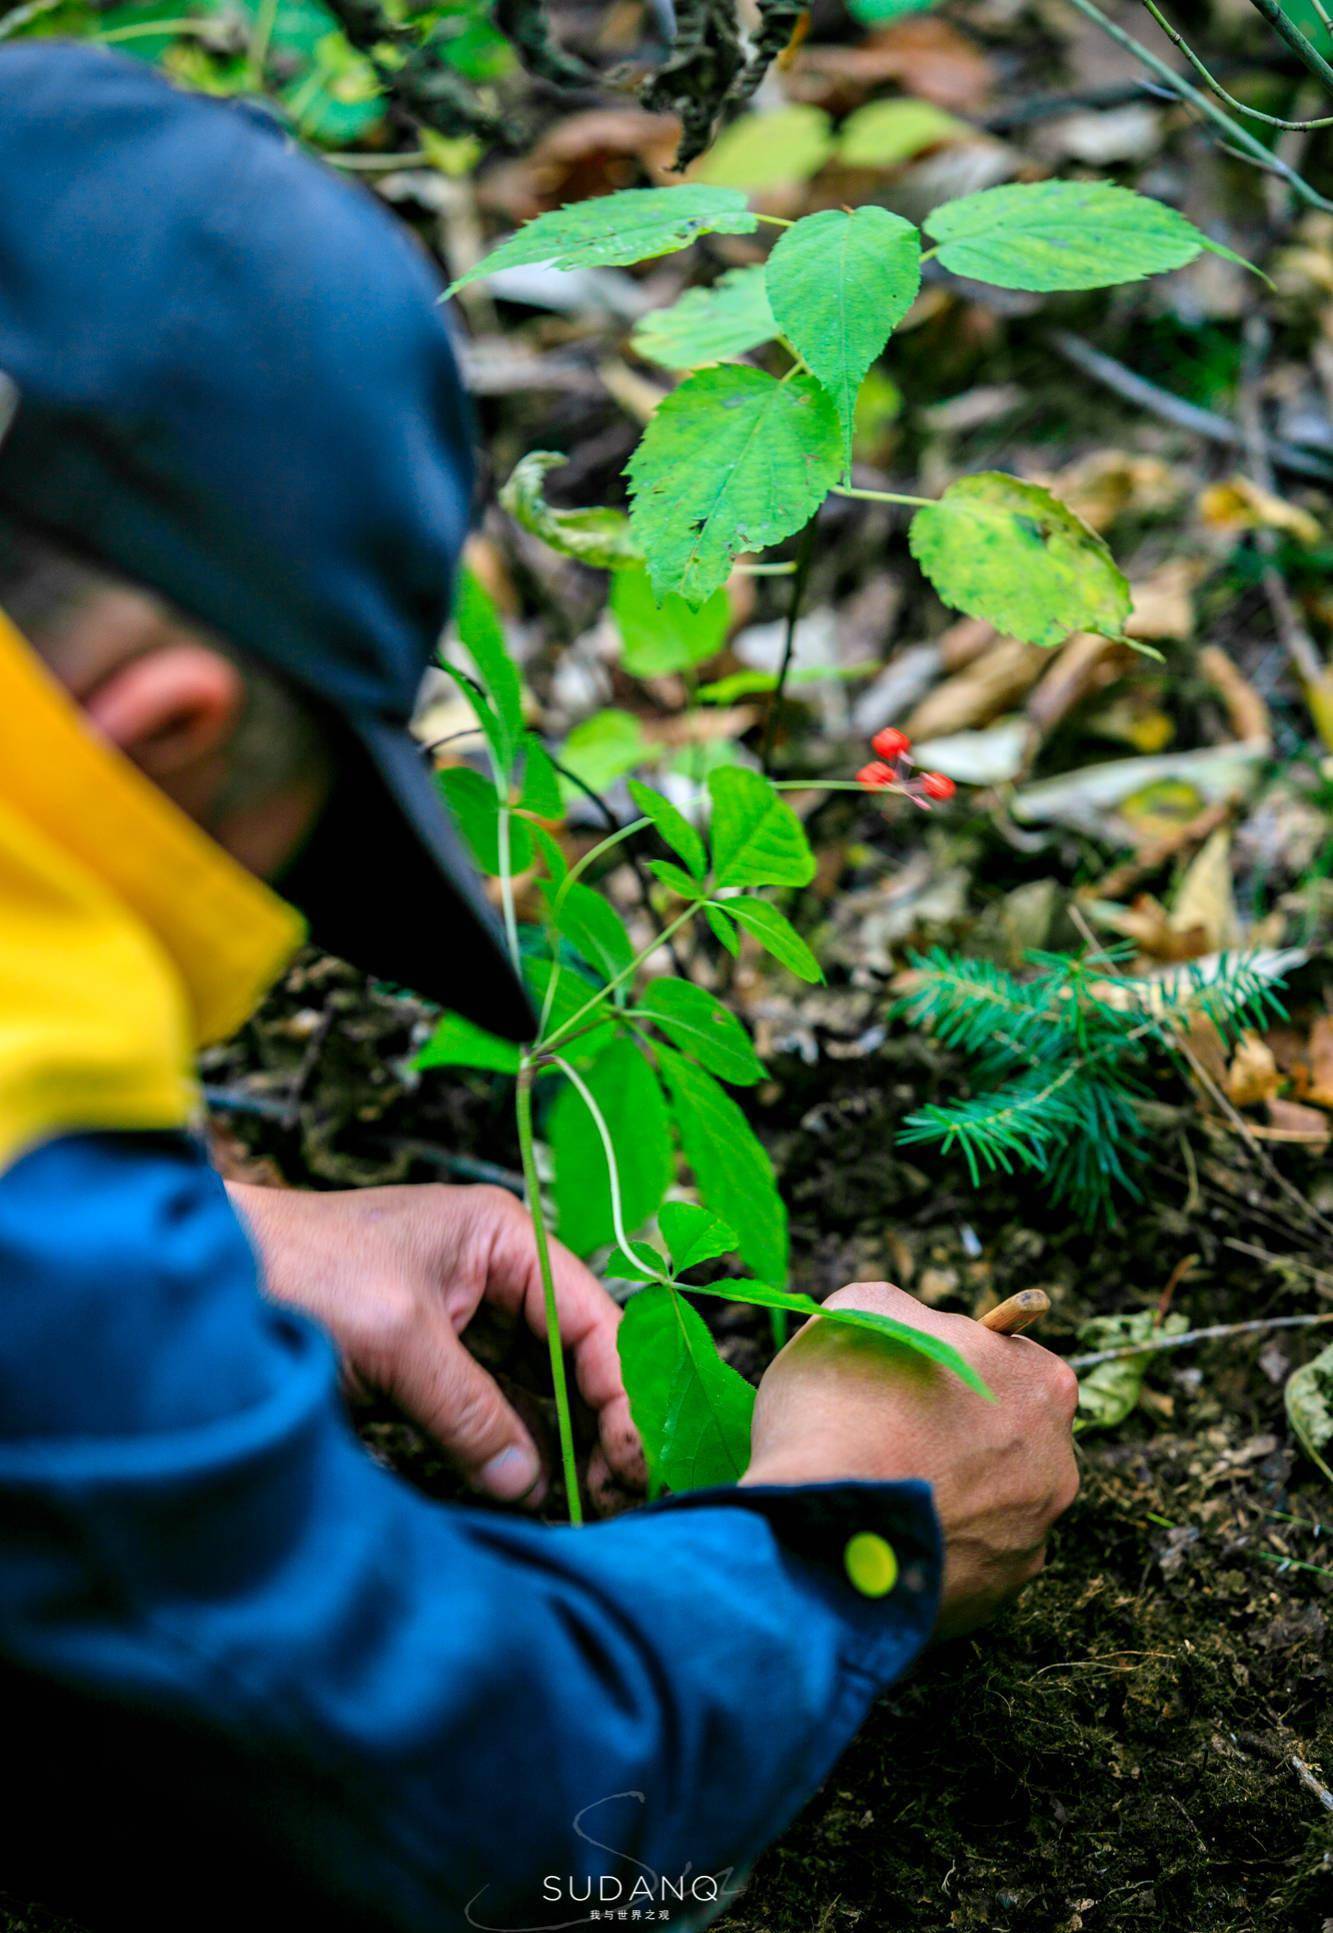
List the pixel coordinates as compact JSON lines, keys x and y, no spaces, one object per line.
{"x":871,"y":1551}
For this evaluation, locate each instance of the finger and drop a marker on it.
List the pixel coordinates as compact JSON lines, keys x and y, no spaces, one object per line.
{"x":451,"y":1396}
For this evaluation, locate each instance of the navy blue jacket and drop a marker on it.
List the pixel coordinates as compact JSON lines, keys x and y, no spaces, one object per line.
{"x":250,"y":1676}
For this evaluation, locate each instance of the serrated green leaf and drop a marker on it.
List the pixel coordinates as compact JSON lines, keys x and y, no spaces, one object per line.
{"x":697,"y":1022}
{"x":457,"y":1042}
{"x":709,"y":325}
{"x":472,"y":801}
{"x":885,"y":133}
{"x":671,"y":826}
{"x":921,"y":1342}
{"x":691,"y":1409}
{"x":731,"y":461}
{"x":838,"y":285}
{"x":757,"y":839}
{"x":477,"y":623}
{"x":722,"y":929}
{"x":626,"y":1090}
{"x":731,"y":1165}
{"x":592,"y":926}
{"x":776,"y":934}
{"x":634,"y":225}
{"x":768,"y":150}
{"x":674,"y":879}
{"x":599,"y":538}
{"x":659,"y":638}
{"x":1047,"y":235}
{"x":693,"y":1234}
{"x":603,"y":748}
{"x":1011,"y":553}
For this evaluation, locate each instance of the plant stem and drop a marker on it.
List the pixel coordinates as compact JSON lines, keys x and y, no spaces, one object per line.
{"x":589,"y":1101}
{"x":1177,"y":39}
{"x":1305,"y":50}
{"x":798,"y":583}
{"x":1251,"y":147}
{"x":532,"y":1187}
{"x":563,"y":1033}
{"x":259,"y":41}
{"x":507,"y":887}
{"x":775,"y":221}
{"x":880,"y":496}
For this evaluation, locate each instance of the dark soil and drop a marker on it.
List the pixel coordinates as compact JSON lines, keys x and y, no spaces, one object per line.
{"x":1143,"y":1740}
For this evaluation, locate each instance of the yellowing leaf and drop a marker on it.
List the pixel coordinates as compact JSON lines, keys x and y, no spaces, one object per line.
{"x":599,"y":537}
{"x":1008,"y":551}
{"x":769,"y":150}
{"x":886,"y":133}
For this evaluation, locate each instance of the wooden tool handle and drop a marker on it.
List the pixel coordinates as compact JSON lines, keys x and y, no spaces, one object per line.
{"x":1017,"y":1312}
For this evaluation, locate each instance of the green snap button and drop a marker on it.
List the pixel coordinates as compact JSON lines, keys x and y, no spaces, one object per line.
{"x":871,"y":1564}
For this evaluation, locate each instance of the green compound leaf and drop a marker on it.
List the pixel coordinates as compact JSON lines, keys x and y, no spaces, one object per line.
{"x":600,"y":538}
{"x":776,"y":934}
{"x":626,"y":1090}
{"x":730,"y":1163}
{"x":601,"y":749}
{"x":659,"y":638}
{"x":631,"y":226}
{"x":838,"y":285}
{"x":671,"y":826}
{"x":592,"y":926}
{"x":757,"y":839}
{"x":722,"y":929}
{"x":691,"y":1409}
{"x":733,"y":460}
{"x":457,"y":1042}
{"x":675,"y":880}
{"x":1048,"y":235}
{"x":475,"y":808}
{"x":709,"y":325}
{"x":1011,"y":553}
{"x":480,"y":633}
{"x":693,"y":1234}
{"x":919,"y":1341}
{"x":697,"y":1022}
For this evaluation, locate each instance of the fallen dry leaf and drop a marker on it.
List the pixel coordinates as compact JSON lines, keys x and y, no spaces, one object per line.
{"x":1290,"y":1121}
{"x":1247,"y":713}
{"x":1109,"y":484}
{"x":1253,"y":1075}
{"x":975,"y":696}
{"x":1205,"y":897}
{"x":1241,"y":504}
{"x":1321,"y":1061}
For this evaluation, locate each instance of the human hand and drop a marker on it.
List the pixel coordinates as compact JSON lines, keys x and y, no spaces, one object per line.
{"x":396,"y":1274}
{"x":836,"y":1403}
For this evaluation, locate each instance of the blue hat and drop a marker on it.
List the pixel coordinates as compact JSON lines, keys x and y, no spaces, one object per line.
{"x":235,"y":386}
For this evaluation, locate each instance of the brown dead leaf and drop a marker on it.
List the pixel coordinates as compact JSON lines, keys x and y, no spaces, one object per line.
{"x":1109,"y":484}
{"x":1164,"y":600}
{"x":1253,"y":1075}
{"x":989,"y":686}
{"x":1241,"y":504}
{"x":1290,"y":1121}
{"x":1321,"y":1061}
{"x":1247,"y":713}
{"x":1083,"y":665}
{"x":1123,"y":878}
{"x":1153,"y":931}
{"x":924,"y":54}
{"x":579,"y":156}
{"x":1205,"y":899}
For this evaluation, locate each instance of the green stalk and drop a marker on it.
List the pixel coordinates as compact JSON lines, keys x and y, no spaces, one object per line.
{"x":563,"y":1033}
{"x":532,"y":1187}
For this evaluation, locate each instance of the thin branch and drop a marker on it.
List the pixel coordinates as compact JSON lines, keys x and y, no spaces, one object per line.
{"x":1248,"y":144}
{"x":798,"y":584}
{"x":1174,"y":409}
{"x":1305,"y":50}
{"x":1156,"y":1344}
{"x":1177,"y":39}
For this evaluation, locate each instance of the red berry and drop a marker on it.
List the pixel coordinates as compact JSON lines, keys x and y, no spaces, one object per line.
{"x":890,"y":743}
{"x":876,"y":773}
{"x":936,"y":786}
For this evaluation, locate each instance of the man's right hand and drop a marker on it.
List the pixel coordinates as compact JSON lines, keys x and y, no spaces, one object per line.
{"x":836,"y":1404}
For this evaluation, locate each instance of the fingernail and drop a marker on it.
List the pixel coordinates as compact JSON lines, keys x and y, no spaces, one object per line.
{"x":511,"y":1474}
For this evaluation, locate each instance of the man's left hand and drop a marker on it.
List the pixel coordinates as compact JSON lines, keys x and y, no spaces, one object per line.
{"x":396,"y":1274}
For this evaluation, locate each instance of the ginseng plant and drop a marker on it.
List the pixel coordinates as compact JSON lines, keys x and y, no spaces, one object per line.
{"x":636,"y":1063}
{"x":733,"y":460}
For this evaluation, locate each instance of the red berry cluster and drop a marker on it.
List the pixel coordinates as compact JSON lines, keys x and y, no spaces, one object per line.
{"x":892,"y":764}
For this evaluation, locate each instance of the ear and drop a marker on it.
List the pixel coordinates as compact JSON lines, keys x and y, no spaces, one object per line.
{"x":173,"y":712}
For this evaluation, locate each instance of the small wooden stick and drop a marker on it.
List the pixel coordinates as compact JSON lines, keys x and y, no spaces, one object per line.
{"x":1017,"y":1312}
